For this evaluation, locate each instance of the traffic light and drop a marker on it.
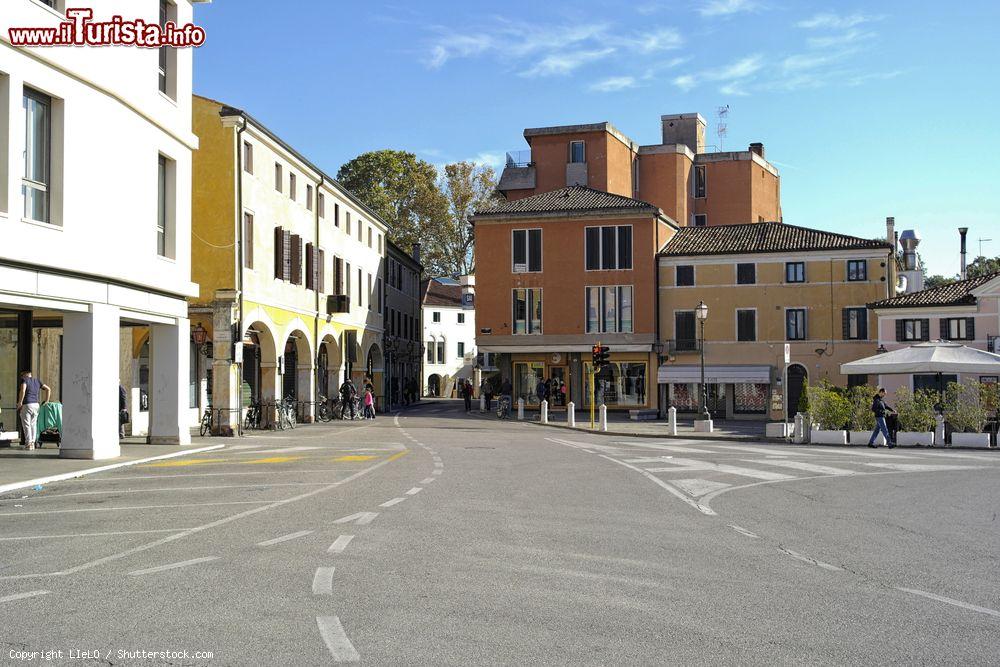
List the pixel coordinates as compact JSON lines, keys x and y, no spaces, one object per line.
{"x":600,"y":355}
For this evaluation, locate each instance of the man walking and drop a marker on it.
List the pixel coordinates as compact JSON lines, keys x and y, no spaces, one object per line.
{"x":467,"y":394}
{"x":880,"y":408}
{"x":347,"y":394}
{"x":27,"y":405}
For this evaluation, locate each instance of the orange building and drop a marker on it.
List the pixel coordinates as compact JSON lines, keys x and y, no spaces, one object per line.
{"x":560,"y":271}
{"x":689,"y":184}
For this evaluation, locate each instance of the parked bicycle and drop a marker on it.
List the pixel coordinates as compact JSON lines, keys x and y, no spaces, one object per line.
{"x":286,"y":413}
{"x":503,"y":407}
{"x":326,"y":408}
{"x":206,"y":422}
{"x":253,"y":416}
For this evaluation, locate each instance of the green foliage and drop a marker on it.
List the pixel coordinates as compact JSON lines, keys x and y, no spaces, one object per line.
{"x":828,"y":408}
{"x":915,"y":409}
{"x":803,"y":405}
{"x":968,"y":405}
{"x":860,"y":398}
{"x":983,"y":266}
{"x":937,"y":281}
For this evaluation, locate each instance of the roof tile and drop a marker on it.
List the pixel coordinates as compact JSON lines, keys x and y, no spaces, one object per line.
{"x":573,"y":198}
{"x":761,"y":237}
{"x":953,"y":294}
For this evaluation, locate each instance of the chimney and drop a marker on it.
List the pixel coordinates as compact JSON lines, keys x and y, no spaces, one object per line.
{"x":416,"y":252}
{"x":908,"y":241}
{"x":757,"y":148}
{"x":962,"y":231}
{"x":687,"y":129}
{"x":890,"y":232}
{"x":468,"y":284}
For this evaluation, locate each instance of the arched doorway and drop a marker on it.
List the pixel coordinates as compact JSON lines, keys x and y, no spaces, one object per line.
{"x":259,"y":362}
{"x":434,"y":385}
{"x":797,"y":377}
{"x":289,"y":385}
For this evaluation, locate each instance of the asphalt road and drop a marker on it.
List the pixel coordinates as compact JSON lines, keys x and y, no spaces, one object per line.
{"x":436,"y":538}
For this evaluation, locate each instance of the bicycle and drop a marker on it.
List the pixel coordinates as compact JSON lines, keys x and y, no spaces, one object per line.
{"x":252,"y":419}
{"x":286,"y":414}
{"x":503,"y":407}
{"x":206,"y":422}
{"x":326,"y":408}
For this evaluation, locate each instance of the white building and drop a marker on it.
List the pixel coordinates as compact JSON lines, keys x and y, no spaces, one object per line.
{"x":95,"y":200}
{"x":449,"y":320}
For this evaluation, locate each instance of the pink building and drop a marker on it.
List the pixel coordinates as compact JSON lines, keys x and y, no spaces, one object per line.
{"x":967,"y":311}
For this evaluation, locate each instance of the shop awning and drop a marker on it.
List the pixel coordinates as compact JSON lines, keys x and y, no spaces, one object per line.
{"x":676,"y":374}
{"x":529,"y":349}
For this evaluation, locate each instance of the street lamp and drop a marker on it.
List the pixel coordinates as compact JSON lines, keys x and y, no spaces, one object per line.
{"x":701,"y":312}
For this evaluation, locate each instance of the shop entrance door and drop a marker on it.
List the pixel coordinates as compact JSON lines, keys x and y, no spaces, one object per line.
{"x":716,"y":400}
{"x":560,"y":380}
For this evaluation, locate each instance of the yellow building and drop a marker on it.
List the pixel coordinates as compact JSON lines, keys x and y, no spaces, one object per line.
{"x":291,"y":269}
{"x":766,"y":286}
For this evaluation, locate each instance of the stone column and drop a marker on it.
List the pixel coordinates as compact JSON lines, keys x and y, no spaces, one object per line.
{"x":225,"y":383}
{"x":169,"y":369}
{"x":306,"y":384}
{"x":91,"y":344}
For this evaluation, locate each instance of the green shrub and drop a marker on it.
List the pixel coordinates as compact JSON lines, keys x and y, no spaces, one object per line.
{"x":968,"y":405}
{"x":828,"y":408}
{"x":862,"y":417}
{"x":916,"y":409}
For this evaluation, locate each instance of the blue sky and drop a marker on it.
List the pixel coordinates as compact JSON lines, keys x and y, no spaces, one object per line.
{"x":868,"y":109}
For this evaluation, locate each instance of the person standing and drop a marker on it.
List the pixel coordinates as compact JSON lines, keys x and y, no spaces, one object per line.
{"x":369,"y":409}
{"x":487,"y":391}
{"x":347,"y":394}
{"x":880,"y":408}
{"x":27,"y":405}
{"x":467,"y":395}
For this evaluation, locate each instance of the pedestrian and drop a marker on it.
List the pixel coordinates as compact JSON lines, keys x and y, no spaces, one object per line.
{"x":370,"y":388}
{"x":540,"y":390}
{"x":347,"y":395}
{"x":123,"y":416}
{"x":467,"y":394}
{"x":27,"y":405}
{"x":487,"y":390}
{"x":880,"y":408}
{"x":369,"y":400}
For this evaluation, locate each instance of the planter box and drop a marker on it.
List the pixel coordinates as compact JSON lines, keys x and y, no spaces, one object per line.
{"x":970,"y":439}
{"x":915,"y":438}
{"x":703,"y":426}
{"x":818,"y":437}
{"x":862,"y":437}
{"x":778,"y":430}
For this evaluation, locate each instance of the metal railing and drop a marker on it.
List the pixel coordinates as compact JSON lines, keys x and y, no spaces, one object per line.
{"x":520,"y":158}
{"x":683,"y":345}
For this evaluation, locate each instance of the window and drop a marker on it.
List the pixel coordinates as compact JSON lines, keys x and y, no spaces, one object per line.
{"x":577,"y":152}
{"x":441,"y":352}
{"x":700,"y":219}
{"x":371,"y":305}
{"x":958,"y":328}
{"x":347,"y":278}
{"x":291,"y":185}
{"x":685,"y":276}
{"x":248,"y":157}
{"x":857,"y":381}
{"x":347,"y":222}
{"x":161,"y":207}
{"x":913,"y":330}
{"x":278,"y":183}
{"x":750,"y":398}
{"x":746,"y":325}
{"x":608,"y":248}
{"x":369,"y":237}
{"x":855,"y":323}
{"x":35,"y":187}
{"x":526,"y":250}
{"x":436,"y":316}
{"x":609,"y":309}
{"x":795,"y":324}
{"x":380,"y":244}
{"x":360,"y":225}
{"x":168,"y":56}
{"x":746,"y":274}
{"x":309,"y":197}
{"x":527,"y":307}
{"x":378,"y":292}
{"x":361,"y":296}
{"x":699,"y":182}
{"x":795,"y":272}
{"x":685,"y":335}
{"x":430,"y":352}
{"x":857,"y":269}
{"x":461,"y":318}
{"x":320,"y":204}
{"x":248,"y":240}
{"x":336,"y":214}
{"x":338,"y":276}
{"x":461,"y":350}
{"x":618,"y":384}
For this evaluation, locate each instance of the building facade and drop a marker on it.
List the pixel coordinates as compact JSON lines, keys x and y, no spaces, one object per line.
{"x":570,"y":268}
{"x":692,"y":185}
{"x":291,"y":268}
{"x":402,"y":324}
{"x":966,"y":311}
{"x":767,"y":286}
{"x":449,"y":334}
{"x":95,"y":215}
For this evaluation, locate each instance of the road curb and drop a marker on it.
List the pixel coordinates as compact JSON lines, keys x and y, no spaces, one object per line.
{"x":90,"y":471}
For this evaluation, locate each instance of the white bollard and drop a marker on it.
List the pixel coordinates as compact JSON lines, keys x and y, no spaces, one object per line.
{"x":545,"y":412}
{"x":482,"y":402}
{"x":939,"y":431}
{"x":800,"y":434}
{"x":672,"y":421}
{"x":571,"y":414}
{"x":603,"y":423}
{"x":520,"y":409}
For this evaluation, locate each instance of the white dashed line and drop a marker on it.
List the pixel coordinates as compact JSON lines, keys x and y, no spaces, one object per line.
{"x":341,"y":648}
{"x":284,"y":538}
{"x":414,"y":491}
{"x":939,"y":598}
{"x":23,"y":596}
{"x":427,"y":480}
{"x":811,"y":561}
{"x":359,"y":518}
{"x":390,"y":503}
{"x":340,"y":544}
{"x":744,"y":531}
{"x":437,"y":472}
{"x":323,"y":581}
{"x":172,"y":566}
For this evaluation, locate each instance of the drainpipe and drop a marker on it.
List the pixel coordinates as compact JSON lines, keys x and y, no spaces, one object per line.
{"x":656,"y":311}
{"x":319,"y":187}
{"x":239,"y":267}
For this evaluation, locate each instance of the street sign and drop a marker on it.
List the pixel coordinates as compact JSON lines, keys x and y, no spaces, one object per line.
{"x":788,"y":353}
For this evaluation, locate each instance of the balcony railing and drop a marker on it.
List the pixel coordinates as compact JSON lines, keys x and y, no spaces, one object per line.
{"x":518,"y":158}
{"x":683,"y":345}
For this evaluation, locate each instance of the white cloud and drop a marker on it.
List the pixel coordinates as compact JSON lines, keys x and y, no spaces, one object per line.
{"x":726,"y":7}
{"x":685,"y":82}
{"x":613,"y":84}
{"x":740,"y":69}
{"x":560,"y":64}
{"x":662,"y":39}
{"x":832,"y":21}
{"x":850,"y":37}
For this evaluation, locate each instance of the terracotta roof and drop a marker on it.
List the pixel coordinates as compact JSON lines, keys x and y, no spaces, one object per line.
{"x":573,"y":198}
{"x":439,"y":294}
{"x":761,"y":237}
{"x":955,"y":294}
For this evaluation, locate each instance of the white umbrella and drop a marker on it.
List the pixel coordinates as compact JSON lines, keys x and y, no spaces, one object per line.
{"x":933,"y":357}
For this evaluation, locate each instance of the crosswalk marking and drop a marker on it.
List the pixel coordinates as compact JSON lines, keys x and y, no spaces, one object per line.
{"x":650,"y":459}
{"x":919,"y":467}
{"x":771,"y":451}
{"x":684,"y":465}
{"x":698,"y":487}
{"x":807,"y":467}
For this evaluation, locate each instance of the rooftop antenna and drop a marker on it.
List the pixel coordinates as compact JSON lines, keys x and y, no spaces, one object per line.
{"x":721,"y":124}
{"x":981,"y":245}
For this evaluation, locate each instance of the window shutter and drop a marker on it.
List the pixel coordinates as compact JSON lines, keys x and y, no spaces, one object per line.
{"x":970,"y":328}
{"x":899,"y":330}
{"x":805,"y":324}
{"x":310,"y":267}
{"x":944,"y":328}
{"x":286,"y":255}
{"x":279,"y":253}
{"x":846,"y":319}
{"x":248,"y":240}
{"x":296,"y":259}
{"x":321,"y":271}
{"x":925,"y":329}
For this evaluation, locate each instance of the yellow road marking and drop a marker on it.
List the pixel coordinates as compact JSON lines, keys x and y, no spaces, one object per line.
{"x":356,"y":457}
{"x":396,"y":456}
{"x":276,"y":459}
{"x":178,"y":464}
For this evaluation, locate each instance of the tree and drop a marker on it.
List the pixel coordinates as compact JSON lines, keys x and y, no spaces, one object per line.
{"x":983,"y":266}
{"x":467,"y":187}
{"x":937,"y":281}
{"x":400,"y":188}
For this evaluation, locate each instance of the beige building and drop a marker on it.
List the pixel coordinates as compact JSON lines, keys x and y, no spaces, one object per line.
{"x":767,"y":286}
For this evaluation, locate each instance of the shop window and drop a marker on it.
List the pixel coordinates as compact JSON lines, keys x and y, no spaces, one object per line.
{"x":750,"y":398}
{"x":619,"y":384}
{"x":526,"y":378}
{"x":684,"y":396}
{"x":193,"y":375}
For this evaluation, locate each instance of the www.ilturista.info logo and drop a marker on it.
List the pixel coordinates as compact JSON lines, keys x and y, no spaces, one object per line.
{"x":80,"y":30}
